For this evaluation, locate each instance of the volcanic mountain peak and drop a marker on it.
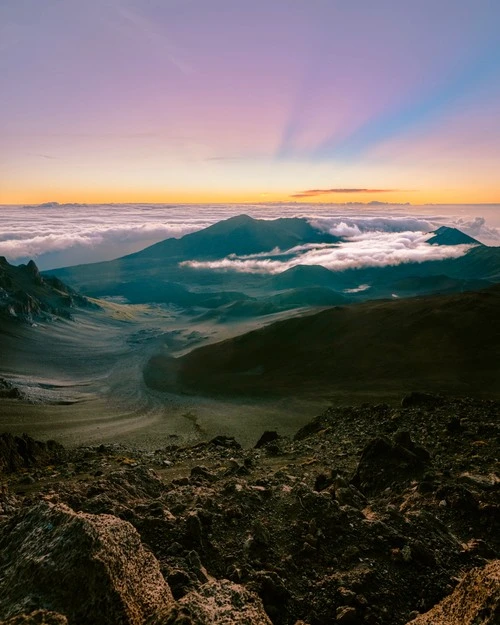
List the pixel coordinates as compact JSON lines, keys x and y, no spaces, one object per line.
{"x":451,"y":236}
{"x":239,"y":235}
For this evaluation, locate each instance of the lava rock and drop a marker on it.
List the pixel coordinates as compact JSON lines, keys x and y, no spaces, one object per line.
{"x":384,"y":463}
{"x":228,"y":442}
{"x":269,"y":436}
{"x":218,"y":602}
{"x":91,"y":568}
{"x":18,"y":452}
{"x":475,"y":601}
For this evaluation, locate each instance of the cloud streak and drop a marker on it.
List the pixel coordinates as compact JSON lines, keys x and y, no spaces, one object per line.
{"x":370,"y":249}
{"x":316,"y":192}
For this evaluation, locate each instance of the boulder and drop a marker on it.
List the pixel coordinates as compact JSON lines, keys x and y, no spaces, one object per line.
{"x":385,"y":463}
{"x":91,"y":568}
{"x":475,"y":601}
{"x":218,"y":602}
{"x":228,"y":442}
{"x":269,"y":436}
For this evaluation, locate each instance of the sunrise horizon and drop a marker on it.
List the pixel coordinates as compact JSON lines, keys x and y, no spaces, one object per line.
{"x":210,"y":102}
{"x":262,"y":198}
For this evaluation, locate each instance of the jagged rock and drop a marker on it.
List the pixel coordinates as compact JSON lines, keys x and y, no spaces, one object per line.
{"x":218,"y":602}
{"x":138,"y":482}
{"x":17,"y":452}
{"x":350,"y":496}
{"x":269,"y":436}
{"x":384,"y":462}
{"x":92,"y":568}
{"x":26,"y":296}
{"x":200,"y":473}
{"x":228,"y":442}
{"x":475,"y":601}
{"x":39,"y":617}
{"x":35,"y":272}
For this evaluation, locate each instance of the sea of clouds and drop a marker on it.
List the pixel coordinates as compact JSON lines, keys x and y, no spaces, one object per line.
{"x":372,"y":249}
{"x":57,"y":235}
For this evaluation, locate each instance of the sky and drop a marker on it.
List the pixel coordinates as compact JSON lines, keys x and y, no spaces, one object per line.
{"x":236,"y":101}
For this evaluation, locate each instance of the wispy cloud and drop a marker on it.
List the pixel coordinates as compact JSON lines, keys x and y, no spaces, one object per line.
{"x":315,"y":192}
{"x":372,"y":249}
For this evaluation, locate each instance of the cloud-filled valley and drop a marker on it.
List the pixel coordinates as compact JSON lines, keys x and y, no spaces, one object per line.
{"x":61,"y":235}
{"x":371,"y":249}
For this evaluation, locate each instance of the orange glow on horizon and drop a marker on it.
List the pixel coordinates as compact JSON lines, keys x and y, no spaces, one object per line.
{"x":100,"y":196}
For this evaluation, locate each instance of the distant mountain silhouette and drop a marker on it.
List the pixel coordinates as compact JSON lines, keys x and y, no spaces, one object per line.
{"x":241,"y":235}
{"x":451,"y":236}
{"x":447,"y":343}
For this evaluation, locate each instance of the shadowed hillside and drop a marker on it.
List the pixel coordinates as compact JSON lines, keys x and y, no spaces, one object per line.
{"x":447,"y":343}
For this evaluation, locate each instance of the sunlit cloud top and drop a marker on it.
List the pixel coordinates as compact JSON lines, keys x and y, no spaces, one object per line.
{"x":193,"y":101}
{"x":58,"y":235}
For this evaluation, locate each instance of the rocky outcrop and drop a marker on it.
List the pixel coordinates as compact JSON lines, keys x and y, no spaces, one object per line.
{"x":475,"y":601}
{"x":269,"y":436}
{"x":23,"y":452}
{"x":8,"y":390}
{"x":386,"y":462}
{"x":91,"y":568}
{"x":218,"y":602}
{"x":27,"y":296}
{"x":236,"y":530}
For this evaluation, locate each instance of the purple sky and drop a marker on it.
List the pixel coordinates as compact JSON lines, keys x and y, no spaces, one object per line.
{"x":229,"y":100}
